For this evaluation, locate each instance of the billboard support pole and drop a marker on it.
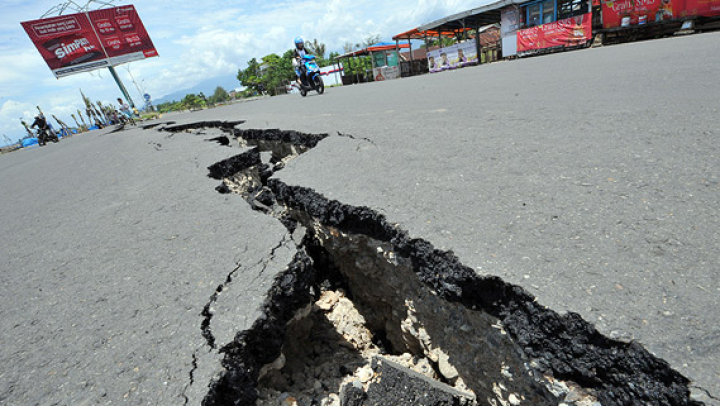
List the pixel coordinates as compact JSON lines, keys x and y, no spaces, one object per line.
{"x":121,"y":86}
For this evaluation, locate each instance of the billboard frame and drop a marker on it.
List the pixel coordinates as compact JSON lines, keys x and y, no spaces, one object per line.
{"x":87,"y":40}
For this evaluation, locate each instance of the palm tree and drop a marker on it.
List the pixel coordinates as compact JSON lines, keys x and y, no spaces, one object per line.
{"x":371,"y":40}
{"x":316,"y":48}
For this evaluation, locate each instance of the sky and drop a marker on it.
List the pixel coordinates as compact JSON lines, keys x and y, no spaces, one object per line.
{"x":196,"y":41}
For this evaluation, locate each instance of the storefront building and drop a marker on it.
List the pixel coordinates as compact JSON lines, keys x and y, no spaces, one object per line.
{"x":551,"y":24}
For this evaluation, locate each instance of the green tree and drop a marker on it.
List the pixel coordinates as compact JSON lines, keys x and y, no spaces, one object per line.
{"x":277,"y":71}
{"x":441,"y":42}
{"x":169,"y":106}
{"x":191,"y":101}
{"x":220,"y":95}
{"x":361,"y":64}
{"x":250,"y":76}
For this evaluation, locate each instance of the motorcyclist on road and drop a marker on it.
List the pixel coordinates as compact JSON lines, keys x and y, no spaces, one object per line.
{"x":43,"y":128}
{"x":297,"y":59}
{"x":40,"y":122}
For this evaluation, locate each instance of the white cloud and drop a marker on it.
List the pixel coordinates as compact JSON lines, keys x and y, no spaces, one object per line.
{"x":11,"y":112}
{"x":197,"y":41}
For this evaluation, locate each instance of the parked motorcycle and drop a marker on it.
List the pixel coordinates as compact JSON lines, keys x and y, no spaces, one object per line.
{"x":311,"y":80}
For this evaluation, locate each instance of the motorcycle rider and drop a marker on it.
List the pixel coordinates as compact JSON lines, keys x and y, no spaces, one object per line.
{"x":43,"y":129}
{"x":298,"y":65}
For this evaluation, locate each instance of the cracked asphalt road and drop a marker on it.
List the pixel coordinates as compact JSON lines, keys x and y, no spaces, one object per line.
{"x":112,"y":244}
{"x":590,"y":178}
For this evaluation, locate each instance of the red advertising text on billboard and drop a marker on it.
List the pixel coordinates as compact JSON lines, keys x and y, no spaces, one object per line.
{"x":638,"y":12}
{"x":86,"y":41}
{"x":563,"y":33}
{"x":122,"y":34}
{"x":632,"y":12}
{"x":67,"y":43}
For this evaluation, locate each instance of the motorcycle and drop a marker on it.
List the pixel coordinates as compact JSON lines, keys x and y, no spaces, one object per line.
{"x":312,"y":79}
{"x":44,"y":135}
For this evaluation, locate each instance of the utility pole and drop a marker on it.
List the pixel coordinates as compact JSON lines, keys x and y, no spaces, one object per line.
{"x":121,"y":86}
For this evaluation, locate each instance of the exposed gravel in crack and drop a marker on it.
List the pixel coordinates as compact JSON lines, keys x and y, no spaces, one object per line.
{"x":417,"y":300}
{"x":564,"y":347}
{"x":261,"y":345}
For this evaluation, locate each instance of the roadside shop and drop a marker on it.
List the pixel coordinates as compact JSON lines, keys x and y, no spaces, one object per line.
{"x":384,"y":57}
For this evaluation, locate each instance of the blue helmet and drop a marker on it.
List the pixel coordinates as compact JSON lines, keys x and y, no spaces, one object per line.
{"x":299,"y":40}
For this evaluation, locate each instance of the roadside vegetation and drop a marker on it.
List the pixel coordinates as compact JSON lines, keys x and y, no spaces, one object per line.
{"x":269,"y":74}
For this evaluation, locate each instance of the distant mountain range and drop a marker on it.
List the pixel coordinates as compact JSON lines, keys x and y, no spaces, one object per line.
{"x":207,"y":87}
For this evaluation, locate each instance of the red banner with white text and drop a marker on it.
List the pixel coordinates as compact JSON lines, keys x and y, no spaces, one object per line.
{"x":68,"y":44}
{"x":83,"y":42}
{"x":122,"y":33}
{"x":618,"y":13}
{"x":624,"y":13}
{"x":570,"y":32}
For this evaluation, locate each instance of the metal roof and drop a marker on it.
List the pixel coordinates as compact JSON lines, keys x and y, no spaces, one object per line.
{"x":417,"y":34}
{"x":476,"y":17}
{"x":381,"y":46}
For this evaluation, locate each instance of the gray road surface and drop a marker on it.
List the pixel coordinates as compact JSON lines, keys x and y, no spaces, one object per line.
{"x":590,"y":178}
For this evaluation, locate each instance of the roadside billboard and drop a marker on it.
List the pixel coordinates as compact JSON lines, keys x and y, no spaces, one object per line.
{"x":83,"y":42}
{"x":620,"y":13}
{"x":569,"y":32}
{"x":452,"y":57}
{"x":122,"y":33}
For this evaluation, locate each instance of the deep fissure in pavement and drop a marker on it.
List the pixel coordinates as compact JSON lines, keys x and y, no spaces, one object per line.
{"x":364,"y":309}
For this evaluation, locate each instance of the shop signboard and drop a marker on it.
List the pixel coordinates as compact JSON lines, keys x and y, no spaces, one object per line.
{"x":83,"y":42}
{"x":569,"y":32}
{"x":638,"y":12}
{"x":618,"y":13}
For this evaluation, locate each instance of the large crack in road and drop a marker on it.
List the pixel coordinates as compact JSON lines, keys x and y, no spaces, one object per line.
{"x":363,"y":309}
